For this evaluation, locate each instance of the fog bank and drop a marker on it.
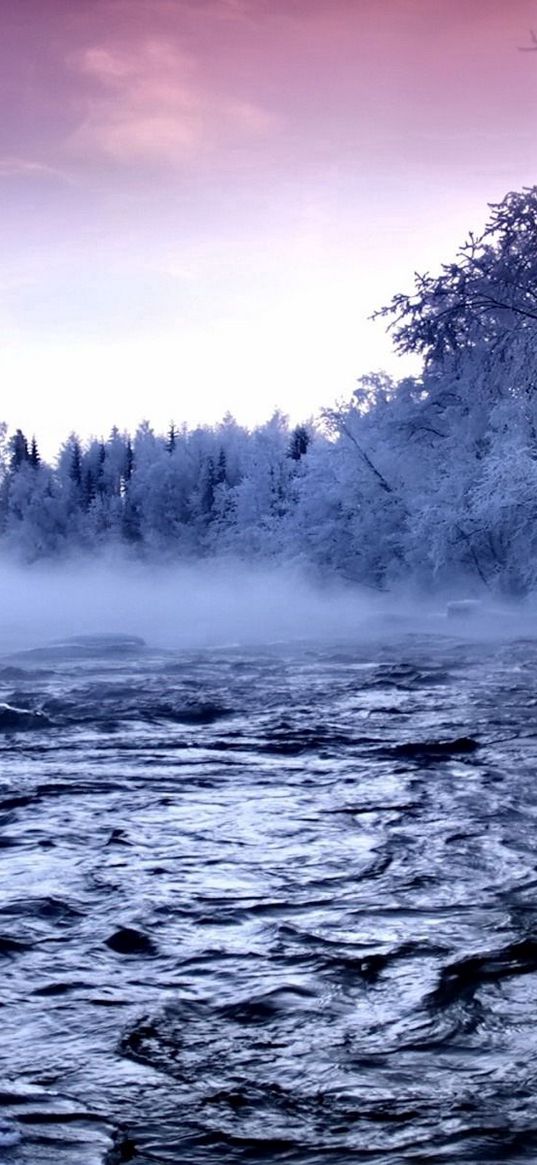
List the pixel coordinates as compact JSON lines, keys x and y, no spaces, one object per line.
{"x":173,"y":607}
{"x":219,"y":604}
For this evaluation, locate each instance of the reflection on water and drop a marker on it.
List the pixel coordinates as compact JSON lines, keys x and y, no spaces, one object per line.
{"x":271,"y":905}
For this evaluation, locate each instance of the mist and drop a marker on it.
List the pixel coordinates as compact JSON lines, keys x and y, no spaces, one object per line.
{"x":177,"y":606}
{"x":219,"y":604}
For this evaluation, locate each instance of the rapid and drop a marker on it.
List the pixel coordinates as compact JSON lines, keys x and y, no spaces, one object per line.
{"x":269,"y":903}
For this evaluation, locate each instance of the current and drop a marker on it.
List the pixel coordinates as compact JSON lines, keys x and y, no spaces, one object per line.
{"x":269,"y":903}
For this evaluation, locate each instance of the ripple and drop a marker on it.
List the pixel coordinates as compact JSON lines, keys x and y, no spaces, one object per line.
{"x":273,"y":906}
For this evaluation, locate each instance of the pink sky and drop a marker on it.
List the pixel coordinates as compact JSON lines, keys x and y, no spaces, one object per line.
{"x":204,"y":199}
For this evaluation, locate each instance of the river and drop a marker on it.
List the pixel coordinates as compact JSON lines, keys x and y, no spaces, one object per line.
{"x":269,"y":904}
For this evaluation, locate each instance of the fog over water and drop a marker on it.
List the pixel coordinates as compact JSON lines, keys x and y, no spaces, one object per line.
{"x":221,"y":603}
{"x":182,"y":606}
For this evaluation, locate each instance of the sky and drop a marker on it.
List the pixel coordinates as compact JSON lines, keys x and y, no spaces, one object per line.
{"x":204,"y":200}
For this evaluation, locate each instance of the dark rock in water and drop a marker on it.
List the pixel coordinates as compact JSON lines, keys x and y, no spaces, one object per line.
{"x":190,"y":713}
{"x":118,"y":837}
{"x":464,"y":609}
{"x":418,"y":748}
{"x":124,"y":1150}
{"x":21,"y":719}
{"x":87,"y":647}
{"x":106,"y":641}
{"x":127,"y":941}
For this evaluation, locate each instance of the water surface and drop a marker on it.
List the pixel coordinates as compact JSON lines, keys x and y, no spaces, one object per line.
{"x":269,"y":904}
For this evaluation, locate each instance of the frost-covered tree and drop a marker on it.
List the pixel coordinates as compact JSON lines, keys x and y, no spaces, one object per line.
{"x":19,"y":450}
{"x":486,"y":296}
{"x":430,"y":479}
{"x":475,"y":325}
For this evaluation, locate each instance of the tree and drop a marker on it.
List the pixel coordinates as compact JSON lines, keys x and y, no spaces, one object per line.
{"x":221,"y":468}
{"x":486,"y":296}
{"x":19,"y":450}
{"x":171,"y":439}
{"x":299,"y":443}
{"x":75,"y":466}
{"x":129,"y":462}
{"x":473,"y":412}
{"x":34,"y":457}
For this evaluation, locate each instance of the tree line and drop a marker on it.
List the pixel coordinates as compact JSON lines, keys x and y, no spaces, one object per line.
{"x":430,"y":479}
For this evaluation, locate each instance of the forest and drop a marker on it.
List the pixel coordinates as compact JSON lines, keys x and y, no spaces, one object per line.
{"x":429,"y":480}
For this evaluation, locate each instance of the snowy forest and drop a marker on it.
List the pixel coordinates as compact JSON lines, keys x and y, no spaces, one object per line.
{"x":431,"y":479}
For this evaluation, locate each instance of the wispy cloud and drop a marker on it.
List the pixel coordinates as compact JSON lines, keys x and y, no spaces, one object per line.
{"x":146,"y":102}
{"x":12,"y":166}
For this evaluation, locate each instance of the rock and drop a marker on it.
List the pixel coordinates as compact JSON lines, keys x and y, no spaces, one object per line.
{"x":128,"y":941}
{"x":86,"y":647}
{"x":421,"y":748}
{"x":464,"y":609}
{"x":107,"y":640}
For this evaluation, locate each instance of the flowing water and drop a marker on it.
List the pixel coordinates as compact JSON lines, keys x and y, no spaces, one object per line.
{"x":269,"y":905}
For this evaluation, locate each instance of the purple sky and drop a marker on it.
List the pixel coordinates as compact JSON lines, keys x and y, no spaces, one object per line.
{"x":202,"y":200}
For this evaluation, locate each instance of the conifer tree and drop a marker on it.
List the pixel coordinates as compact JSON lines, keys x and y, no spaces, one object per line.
{"x":19,"y":450}
{"x":75,"y":467}
{"x":34,"y":458}
{"x":299,"y":443}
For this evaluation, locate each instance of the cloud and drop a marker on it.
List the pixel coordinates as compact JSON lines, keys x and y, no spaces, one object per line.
{"x":141,"y":139}
{"x":107,"y":67}
{"x":145,"y":102}
{"x":12,"y":166}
